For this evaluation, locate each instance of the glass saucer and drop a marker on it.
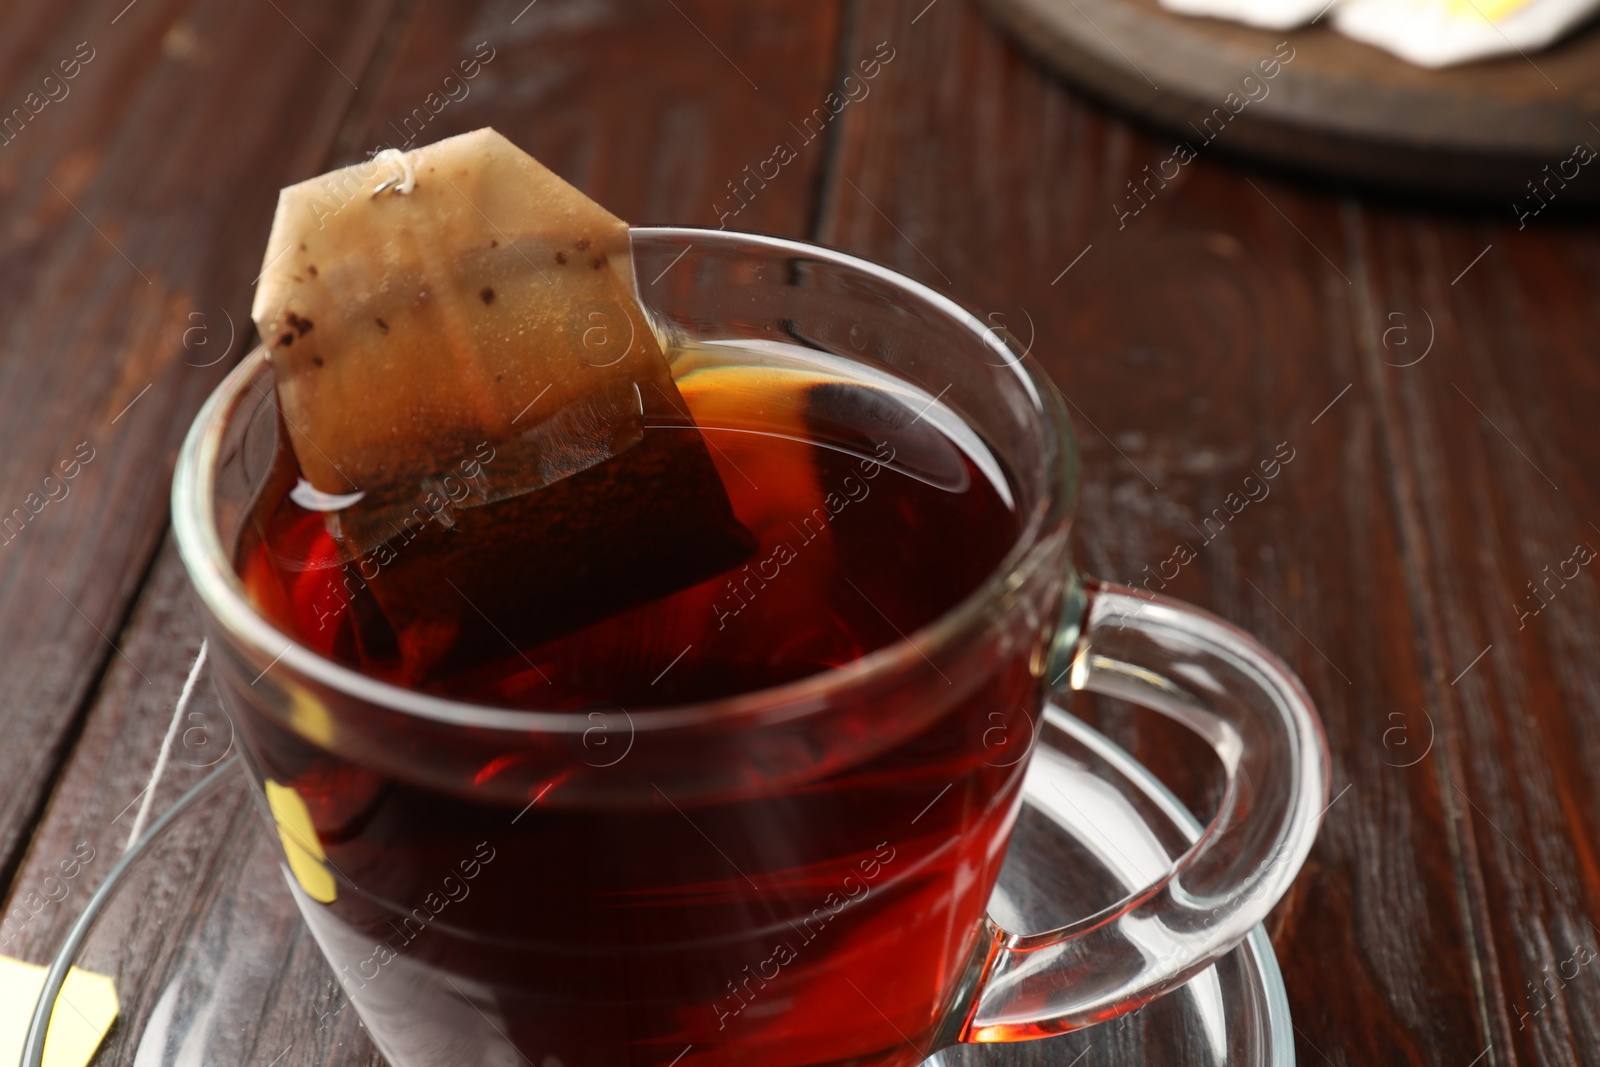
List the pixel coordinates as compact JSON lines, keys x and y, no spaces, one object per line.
{"x":214,"y":967}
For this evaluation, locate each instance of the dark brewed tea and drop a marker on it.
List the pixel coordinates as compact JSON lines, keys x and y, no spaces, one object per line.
{"x":822,"y":902}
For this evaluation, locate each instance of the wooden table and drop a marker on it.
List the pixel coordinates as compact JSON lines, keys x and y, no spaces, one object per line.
{"x":1434,"y":373}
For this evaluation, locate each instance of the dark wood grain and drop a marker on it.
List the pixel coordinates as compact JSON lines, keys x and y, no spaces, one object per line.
{"x":1337,"y":106}
{"x":1499,"y":471}
{"x":137,"y":200}
{"x":1191,"y":342}
{"x":97,"y":800}
{"x":652,"y":108}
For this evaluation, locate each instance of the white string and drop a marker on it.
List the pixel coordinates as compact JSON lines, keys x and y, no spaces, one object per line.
{"x":166,"y":747}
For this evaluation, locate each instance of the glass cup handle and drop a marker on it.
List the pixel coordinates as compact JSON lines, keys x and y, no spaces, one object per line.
{"x":1220,"y":682}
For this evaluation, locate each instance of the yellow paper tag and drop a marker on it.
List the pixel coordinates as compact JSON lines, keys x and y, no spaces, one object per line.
{"x":85,"y":1010}
{"x":301,"y":848}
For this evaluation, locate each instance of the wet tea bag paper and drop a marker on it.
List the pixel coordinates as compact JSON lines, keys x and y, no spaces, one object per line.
{"x":425,"y":309}
{"x":466,"y":378}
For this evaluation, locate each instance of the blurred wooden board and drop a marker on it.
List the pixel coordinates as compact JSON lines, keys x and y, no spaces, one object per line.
{"x":1339,"y":108}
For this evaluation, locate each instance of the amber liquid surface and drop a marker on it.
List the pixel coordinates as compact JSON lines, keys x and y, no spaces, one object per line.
{"x":824,"y":916}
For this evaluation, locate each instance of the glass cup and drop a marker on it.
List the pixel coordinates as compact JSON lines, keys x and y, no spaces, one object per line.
{"x":794,"y":876}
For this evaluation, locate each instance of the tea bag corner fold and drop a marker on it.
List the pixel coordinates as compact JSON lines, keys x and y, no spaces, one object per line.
{"x":455,"y":327}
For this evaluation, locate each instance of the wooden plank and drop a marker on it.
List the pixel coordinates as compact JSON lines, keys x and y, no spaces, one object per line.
{"x":99,"y":799}
{"x":1499,"y":474}
{"x":1192,"y":336}
{"x":1335,"y":106}
{"x":135,"y":210}
{"x":653,"y":109}
{"x":696,"y":135}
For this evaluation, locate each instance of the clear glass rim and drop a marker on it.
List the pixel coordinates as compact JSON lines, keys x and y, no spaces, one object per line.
{"x":211,"y":569}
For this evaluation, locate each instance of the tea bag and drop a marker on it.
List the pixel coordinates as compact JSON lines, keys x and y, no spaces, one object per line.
{"x":466,"y":378}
